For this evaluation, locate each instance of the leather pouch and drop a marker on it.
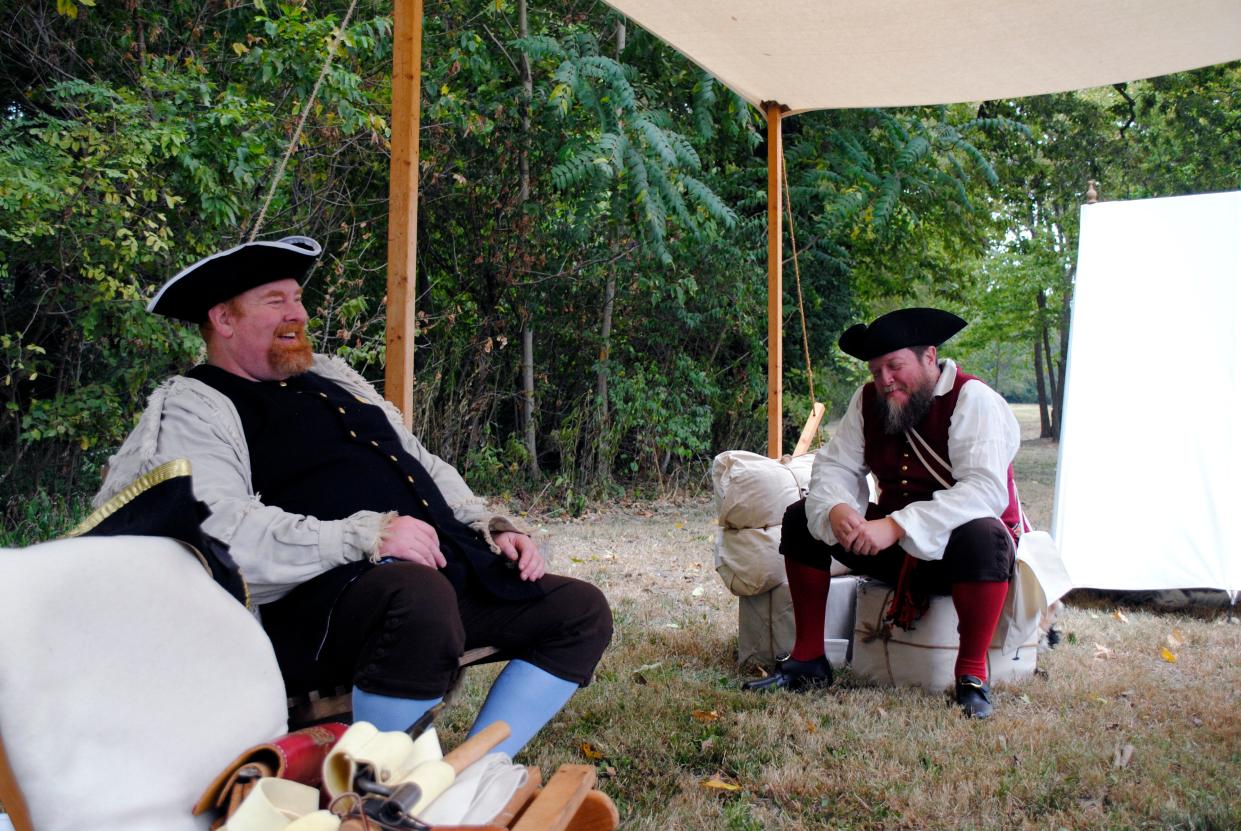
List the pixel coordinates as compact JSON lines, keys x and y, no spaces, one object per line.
{"x":297,"y":756}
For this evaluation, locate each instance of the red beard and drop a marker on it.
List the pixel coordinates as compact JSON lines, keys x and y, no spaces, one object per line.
{"x":290,"y":357}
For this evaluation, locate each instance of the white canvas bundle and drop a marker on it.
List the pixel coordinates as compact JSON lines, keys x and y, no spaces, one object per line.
{"x":748,"y":559}
{"x":752,"y":491}
{"x":924,"y":656}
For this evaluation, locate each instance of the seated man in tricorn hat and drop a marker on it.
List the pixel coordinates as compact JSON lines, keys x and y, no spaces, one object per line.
{"x":941,"y":445}
{"x":371,"y":562}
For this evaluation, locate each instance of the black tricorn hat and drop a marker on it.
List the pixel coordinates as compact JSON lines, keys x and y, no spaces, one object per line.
{"x":898,"y":330}
{"x":196,"y":288}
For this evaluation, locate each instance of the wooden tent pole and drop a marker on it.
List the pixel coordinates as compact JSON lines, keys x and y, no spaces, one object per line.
{"x":403,"y":204}
{"x":775,"y":284}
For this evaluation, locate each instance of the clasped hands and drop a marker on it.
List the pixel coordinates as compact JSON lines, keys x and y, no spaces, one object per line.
{"x":860,"y":535}
{"x":406,"y":538}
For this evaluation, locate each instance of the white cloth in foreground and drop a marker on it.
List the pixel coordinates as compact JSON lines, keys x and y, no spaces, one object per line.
{"x":128,"y":679}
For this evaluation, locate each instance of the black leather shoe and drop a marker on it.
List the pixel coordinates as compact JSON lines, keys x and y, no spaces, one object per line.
{"x":974,"y":697}
{"x":795,"y":676}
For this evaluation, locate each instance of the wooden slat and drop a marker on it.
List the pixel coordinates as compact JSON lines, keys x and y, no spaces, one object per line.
{"x":775,"y":284}
{"x":403,"y":205}
{"x":11,"y":796}
{"x":318,"y":707}
{"x":556,"y":806}
{"x":812,"y":427}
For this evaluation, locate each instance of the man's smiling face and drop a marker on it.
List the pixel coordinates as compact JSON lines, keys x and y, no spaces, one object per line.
{"x":261,"y":333}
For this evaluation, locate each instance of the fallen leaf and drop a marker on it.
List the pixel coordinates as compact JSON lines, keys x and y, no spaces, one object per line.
{"x":1176,"y":639}
{"x":1100,"y":699}
{"x":706,"y":716}
{"x":1101,"y":651}
{"x":1120,"y":759}
{"x":589,"y":751}
{"x":811,"y":727}
{"x":719,"y":784}
{"x":678,"y":525}
{"x":1167,"y":655}
{"x":1119,"y":615}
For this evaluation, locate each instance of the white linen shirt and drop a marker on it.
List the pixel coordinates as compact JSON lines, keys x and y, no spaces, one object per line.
{"x":275,"y":549}
{"x":983,"y":439}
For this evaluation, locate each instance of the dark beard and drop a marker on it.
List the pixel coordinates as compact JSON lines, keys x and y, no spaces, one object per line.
{"x":287,"y":360}
{"x":899,"y":419}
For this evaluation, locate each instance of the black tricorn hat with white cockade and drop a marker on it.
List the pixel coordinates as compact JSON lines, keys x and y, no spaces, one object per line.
{"x":196,"y":288}
{"x":899,"y":330}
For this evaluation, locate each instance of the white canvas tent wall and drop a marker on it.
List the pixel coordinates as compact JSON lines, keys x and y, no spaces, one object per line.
{"x":1149,"y":454}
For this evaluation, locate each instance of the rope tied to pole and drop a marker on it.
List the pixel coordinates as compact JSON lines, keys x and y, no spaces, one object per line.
{"x":801,"y":306}
{"x":301,"y":121}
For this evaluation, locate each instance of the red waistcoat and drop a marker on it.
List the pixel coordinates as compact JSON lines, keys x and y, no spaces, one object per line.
{"x":903,"y":478}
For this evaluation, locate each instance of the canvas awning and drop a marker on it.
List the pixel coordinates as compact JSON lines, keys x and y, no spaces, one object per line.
{"x":830,"y":54}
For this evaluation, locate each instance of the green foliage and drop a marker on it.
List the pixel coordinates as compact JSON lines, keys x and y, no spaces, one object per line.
{"x":138,"y":137}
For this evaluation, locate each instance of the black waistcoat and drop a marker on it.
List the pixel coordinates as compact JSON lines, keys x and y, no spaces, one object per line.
{"x":319,"y":451}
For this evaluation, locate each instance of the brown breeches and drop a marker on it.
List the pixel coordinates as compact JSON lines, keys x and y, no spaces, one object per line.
{"x":978,"y":551}
{"x":399,"y":628}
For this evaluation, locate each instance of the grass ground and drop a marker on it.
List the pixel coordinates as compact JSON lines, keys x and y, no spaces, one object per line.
{"x":1113,"y":732}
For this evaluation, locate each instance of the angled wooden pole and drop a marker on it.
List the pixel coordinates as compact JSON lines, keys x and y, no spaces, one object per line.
{"x":775,"y":284}
{"x":403,"y":204}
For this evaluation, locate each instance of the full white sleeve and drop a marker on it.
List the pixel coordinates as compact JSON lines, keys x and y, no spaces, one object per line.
{"x":839,"y":473}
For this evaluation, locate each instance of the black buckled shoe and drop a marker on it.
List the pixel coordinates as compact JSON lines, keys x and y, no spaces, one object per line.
{"x":974,"y":697}
{"x":795,"y":676}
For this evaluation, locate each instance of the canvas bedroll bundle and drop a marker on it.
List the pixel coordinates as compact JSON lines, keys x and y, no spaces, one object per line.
{"x":751,"y":494}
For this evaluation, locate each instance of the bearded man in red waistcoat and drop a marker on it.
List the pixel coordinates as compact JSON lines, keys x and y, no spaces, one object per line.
{"x":941,"y":445}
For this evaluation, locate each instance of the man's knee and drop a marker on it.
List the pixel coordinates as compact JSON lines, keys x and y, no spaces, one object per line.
{"x":417,"y":602}
{"x":795,"y":537}
{"x":414,"y":636}
{"x":586,"y":613}
{"x":980,"y":550}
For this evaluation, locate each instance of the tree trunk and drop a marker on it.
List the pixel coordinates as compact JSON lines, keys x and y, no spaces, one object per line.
{"x":523,"y":196}
{"x":1044,"y":419}
{"x":603,"y":464}
{"x":527,"y":397}
{"x":1066,"y":313}
{"x":1044,"y":364}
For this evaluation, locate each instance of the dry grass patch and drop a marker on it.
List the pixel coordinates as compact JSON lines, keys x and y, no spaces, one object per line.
{"x":1109,"y":735}
{"x":1112,"y":733}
